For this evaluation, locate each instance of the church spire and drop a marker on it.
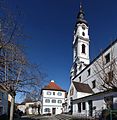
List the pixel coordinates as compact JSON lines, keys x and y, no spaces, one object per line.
{"x":80,"y":17}
{"x":80,"y":44}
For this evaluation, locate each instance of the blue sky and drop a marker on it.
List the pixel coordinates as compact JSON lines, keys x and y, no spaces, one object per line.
{"x":50,"y":25}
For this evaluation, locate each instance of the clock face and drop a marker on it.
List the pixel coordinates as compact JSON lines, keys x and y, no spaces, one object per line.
{"x":83,"y":27}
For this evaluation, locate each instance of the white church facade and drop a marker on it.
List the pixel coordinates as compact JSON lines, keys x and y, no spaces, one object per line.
{"x":91,"y":82}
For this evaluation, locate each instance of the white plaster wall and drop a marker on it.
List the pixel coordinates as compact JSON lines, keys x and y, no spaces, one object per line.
{"x":88,"y":79}
{"x":80,"y":30}
{"x":75,"y":109}
{"x":93,"y":76}
{"x":31,"y":110}
{"x":81,"y":94}
{"x":22,"y":108}
{"x":51,"y":97}
{"x":100,"y":104}
{"x":69,"y":96}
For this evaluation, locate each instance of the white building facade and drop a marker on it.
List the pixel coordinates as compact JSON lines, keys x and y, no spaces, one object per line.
{"x":86,"y":93}
{"x":30,"y":108}
{"x":53,"y":97}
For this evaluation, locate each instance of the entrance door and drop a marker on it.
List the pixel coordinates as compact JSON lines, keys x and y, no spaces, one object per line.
{"x":53,"y":111}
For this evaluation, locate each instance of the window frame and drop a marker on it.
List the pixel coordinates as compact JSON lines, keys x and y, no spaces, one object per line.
{"x":46,"y":100}
{"x":59,"y":101}
{"x":79,"y":78}
{"x":83,"y":48}
{"x":107,"y":58}
{"x":89,"y":72}
{"x":93,"y":84}
{"x":48,"y":93}
{"x":83,"y":33}
{"x":53,"y":93}
{"x":47,"y":110}
{"x":59,"y":93}
{"x":53,"y":100}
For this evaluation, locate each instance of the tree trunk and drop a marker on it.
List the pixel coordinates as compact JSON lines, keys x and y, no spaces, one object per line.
{"x":12,"y":107}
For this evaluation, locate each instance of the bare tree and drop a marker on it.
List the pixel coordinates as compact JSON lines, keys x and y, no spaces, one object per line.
{"x":106,"y":70}
{"x":16,"y":72}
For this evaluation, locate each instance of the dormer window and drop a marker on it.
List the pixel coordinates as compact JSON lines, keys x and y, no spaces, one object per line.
{"x":93,"y":83}
{"x":89,"y":72}
{"x":80,"y":79}
{"x":107,"y":58}
{"x":83,"y":48}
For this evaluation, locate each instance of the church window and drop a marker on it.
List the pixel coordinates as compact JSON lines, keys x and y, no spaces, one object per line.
{"x":83,"y":48}
{"x":80,"y":79}
{"x":83,"y":33}
{"x":93,"y":83}
{"x":89,"y":72}
{"x":107,"y":58}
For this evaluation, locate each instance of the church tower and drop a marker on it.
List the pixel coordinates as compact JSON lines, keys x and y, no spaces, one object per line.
{"x":80,"y":44}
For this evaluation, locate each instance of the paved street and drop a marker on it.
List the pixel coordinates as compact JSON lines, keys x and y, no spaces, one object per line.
{"x":57,"y":117}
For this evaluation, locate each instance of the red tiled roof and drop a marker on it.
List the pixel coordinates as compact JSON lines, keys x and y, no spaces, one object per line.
{"x":53,"y":86}
{"x":82,"y":87}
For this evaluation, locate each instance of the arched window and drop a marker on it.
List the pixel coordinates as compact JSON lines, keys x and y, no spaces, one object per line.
{"x":59,"y":101}
{"x":83,"y":33}
{"x":83,"y":48}
{"x":59,"y":93}
{"x":53,"y":101}
{"x":47,"y":101}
